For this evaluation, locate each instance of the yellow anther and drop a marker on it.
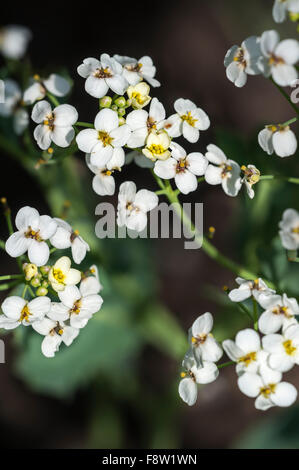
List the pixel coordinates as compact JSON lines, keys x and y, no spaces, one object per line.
{"x":189,"y":119}
{"x":36,"y":77}
{"x":243,"y":168}
{"x":225,"y":288}
{"x":76,"y":232}
{"x":50,"y":150}
{"x":3,"y":200}
{"x":289,"y":348}
{"x":212,"y":229}
{"x":108,"y":173}
{"x":183,"y":374}
{"x":60,"y":332}
{"x":193,"y":339}
{"x":25,"y":313}
{"x":248,"y":358}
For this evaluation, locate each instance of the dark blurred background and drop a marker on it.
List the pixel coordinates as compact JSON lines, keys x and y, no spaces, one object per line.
{"x":187,"y":41}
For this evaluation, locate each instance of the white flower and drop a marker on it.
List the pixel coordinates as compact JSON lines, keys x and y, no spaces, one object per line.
{"x":17,"y":311}
{"x":183,"y":168}
{"x":66,"y":237}
{"x":37,"y":90}
{"x":289,"y":229}
{"x":279,"y":139}
{"x":249,"y":288}
{"x":283,"y":349}
{"x":157,"y":145}
{"x":268,"y":389}
{"x":279,"y":58}
{"x":243,"y":61}
{"x":102,"y":141}
{"x":188,"y":121}
{"x":142,"y":123}
{"x":14,"y":41}
{"x":90,"y":283}
{"x":223,"y":171}
{"x":62,"y":275}
{"x":75,"y":306}
{"x":279,"y":312}
{"x":13,"y":106}
{"x":139,"y":95}
{"x":251,"y":177}
{"x":245,"y":350}
{"x":55,"y":333}
{"x":103,"y":182}
{"x":204,"y":346}
{"x":133,"y":206}
{"x":54,"y":125}
{"x":33,"y":230}
{"x":136,"y":70}
{"x":281,"y":7}
{"x":194,"y":375}
{"x":101,"y":75}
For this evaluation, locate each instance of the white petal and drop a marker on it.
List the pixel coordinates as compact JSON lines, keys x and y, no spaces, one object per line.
{"x":190,"y":133}
{"x":211,"y":350}
{"x":232,"y":350}
{"x":16,"y":245}
{"x":106,"y":120}
{"x":38,"y":252}
{"x":265,"y":140}
{"x":87,"y":139}
{"x":47,"y":226}
{"x":137,"y":119}
{"x":120,"y":135}
{"x":269,"y":322}
{"x":213,"y":175}
{"x":197,"y":163}
{"x":61,"y":238}
{"x":58,"y":312}
{"x":165,"y":169}
{"x":44,"y":326}
{"x":39,"y":307}
{"x":118,"y":84}
{"x":263,"y":403}
{"x":73,"y":277}
{"x":79,"y":249}
{"x":188,"y":391}
{"x":269,"y":41}
{"x":215,"y":155}
{"x":65,"y":115}
{"x":69,"y":334}
{"x":89,"y":65}
{"x":285,"y":394}
{"x":34,"y":93}
{"x":284,"y":75}
{"x":96,"y":87}
{"x":42,"y":135}
{"x":248,"y":340}
{"x":206,"y":374}
{"x":12,"y":307}
{"x":186,"y":182}
{"x":146,"y":200}
{"x":137,"y":221}
{"x":40,"y":111}
{"x":50,"y":345}
{"x":92,"y":303}
{"x":69,"y":296}
{"x":288,"y":50}
{"x":63,"y":136}
{"x":284,"y":143}
{"x":103,"y":185}
{"x":203,"y":324}
{"x":250,"y":384}
{"x":242,"y":293}
{"x":157,"y":111}
{"x":57,"y":85}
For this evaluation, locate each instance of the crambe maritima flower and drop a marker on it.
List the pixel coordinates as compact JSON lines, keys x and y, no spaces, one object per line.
{"x":289,"y":229}
{"x":283,"y":349}
{"x":279,"y":139}
{"x":139,"y":95}
{"x":222,"y":171}
{"x":247,"y":289}
{"x":279,"y":58}
{"x":182,"y":167}
{"x":90,"y":283}
{"x":13,"y":106}
{"x":245,"y":350}
{"x":188,"y":120}
{"x":267,"y":389}
{"x":33,"y":231}
{"x":204,"y":346}
{"x":62,"y":275}
{"x":18,"y":311}
{"x":136,"y":70}
{"x":157,"y":145}
{"x":133,"y":206}
{"x":251,"y":177}
{"x":243,"y":61}
{"x":37,"y":90}
{"x":194,"y":375}
{"x":282,"y":7}
{"x":54,"y":125}
{"x":14,"y":40}
{"x":66,"y":237}
{"x":142,"y":123}
{"x":279,"y":312}
{"x":101,"y":75}
{"x":54,"y":334}
{"x":103,"y":182}
{"x":102,"y":141}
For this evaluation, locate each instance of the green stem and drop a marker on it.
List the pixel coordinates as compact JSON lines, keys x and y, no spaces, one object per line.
{"x":286,"y":96}
{"x":279,"y":177}
{"x":159,"y":181}
{"x":24,"y":291}
{"x":225,"y":364}
{"x":255,"y":314}
{"x":290,"y":121}
{"x":2,"y":244}
{"x":244,"y":309}
{"x":8,"y":285}
{"x":11,"y":276}
{"x":84,"y":124}
{"x":52,"y":98}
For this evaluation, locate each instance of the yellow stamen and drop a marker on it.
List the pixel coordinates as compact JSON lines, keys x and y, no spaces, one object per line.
{"x":59,"y":276}
{"x":189,"y":119}
{"x":25,"y":314}
{"x":289,"y":348}
{"x":248,"y":358}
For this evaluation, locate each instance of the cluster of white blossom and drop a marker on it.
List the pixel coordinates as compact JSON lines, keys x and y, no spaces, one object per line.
{"x":260,"y":362}
{"x":58,"y":321}
{"x":282,"y":8}
{"x":289,"y":230}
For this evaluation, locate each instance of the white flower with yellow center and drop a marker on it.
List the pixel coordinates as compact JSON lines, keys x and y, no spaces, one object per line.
{"x":282,"y":7}
{"x":37,"y":90}
{"x":54,"y":125}
{"x":279,"y":312}
{"x":182,"y":167}
{"x":247,"y":289}
{"x":62,"y":275}
{"x":18,"y":311}
{"x":188,"y":121}
{"x":222,"y":171}
{"x":139,"y":95}
{"x":279,"y":58}
{"x":14,"y":106}
{"x":136,"y":70}
{"x":133,"y":206}
{"x":102,"y":141}
{"x":203,"y":344}
{"x":279,"y":139}
{"x":283,"y":349}
{"x":245,"y":351}
{"x":101,"y":75}
{"x":157,"y":146}
{"x":33,"y":231}
{"x":194,"y":375}
{"x":14,"y":40}
{"x":66,"y":237}
{"x":268,"y":389}
{"x":142,"y":123}
{"x":289,"y":229}
{"x":90,"y":283}
{"x":250,"y":178}
{"x":103,"y":182}
{"x":243,"y":61}
{"x":75,"y":306}
{"x":54,"y":333}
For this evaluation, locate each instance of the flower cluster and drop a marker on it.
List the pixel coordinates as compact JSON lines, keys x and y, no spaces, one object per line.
{"x":46,"y":282}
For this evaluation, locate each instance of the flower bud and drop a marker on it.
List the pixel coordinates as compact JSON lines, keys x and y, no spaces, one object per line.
{"x":114,"y":107}
{"x":121,"y":112}
{"x":30,"y":271}
{"x":120,"y":102}
{"x":121,"y":121}
{"x":45,"y":270}
{"x":41,"y":291}
{"x":105,"y":102}
{"x":35,"y":282}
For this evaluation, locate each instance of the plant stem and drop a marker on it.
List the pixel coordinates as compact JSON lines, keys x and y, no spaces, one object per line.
{"x":225,"y":364}
{"x":2,"y":244}
{"x":11,"y":276}
{"x":244,"y":309}
{"x":286,"y":96}
{"x":279,"y":177}
{"x":290,"y":121}
{"x":53,"y":99}
{"x":84,"y":124}
{"x":24,"y":291}
{"x":255,"y":314}
{"x":8,"y":285}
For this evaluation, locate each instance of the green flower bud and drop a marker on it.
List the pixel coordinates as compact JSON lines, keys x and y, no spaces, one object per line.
{"x":129,"y":103}
{"x":41,"y":291}
{"x":45,"y":284}
{"x":121,"y":112}
{"x":120,"y":102}
{"x":121,"y":121}
{"x":45,"y":270}
{"x":105,"y":102}
{"x":114,"y":107}
{"x":35,"y":282}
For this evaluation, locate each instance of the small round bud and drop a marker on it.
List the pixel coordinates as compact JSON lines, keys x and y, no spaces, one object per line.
{"x":35,"y":282}
{"x":121,"y":112}
{"x":121,"y":121}
{"x":45,"y":284}
{"x":129,"y":102}
{"x":45,"y":270}
{"x":30,"y":271}
{"x":114,"y":107}
{"x":105,"y":102}
{"x":120,"y":102}
{"x":41,"y":291}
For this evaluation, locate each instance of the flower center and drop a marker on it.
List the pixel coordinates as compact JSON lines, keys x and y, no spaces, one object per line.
{"x":226,"y":169}
{"x":76,"y":307}
{"x":239,"y":57}
{"x":189,"y":119}
{"x":49,"y":121}
{"x":59,"y":276}
{"x":103,"y":73}
{"x":105,"y":138}
{"x":266,"y":391}
{"x":274,"y":60}
{"x":133,"y":67}
{"x":280,"y":310}
{"x":58,"y":330}
{"x":25,"y":314}
{"x":181,"y":166}
{"x":251,"y":175}
{"x":200,"y":339}
{"x":139,"y":98}
{"x":151,"y":124}
{"x":248,"y":358}
{"x":33,"y":234}
{"x":295,"y":230}
{"x":289,"y":348}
